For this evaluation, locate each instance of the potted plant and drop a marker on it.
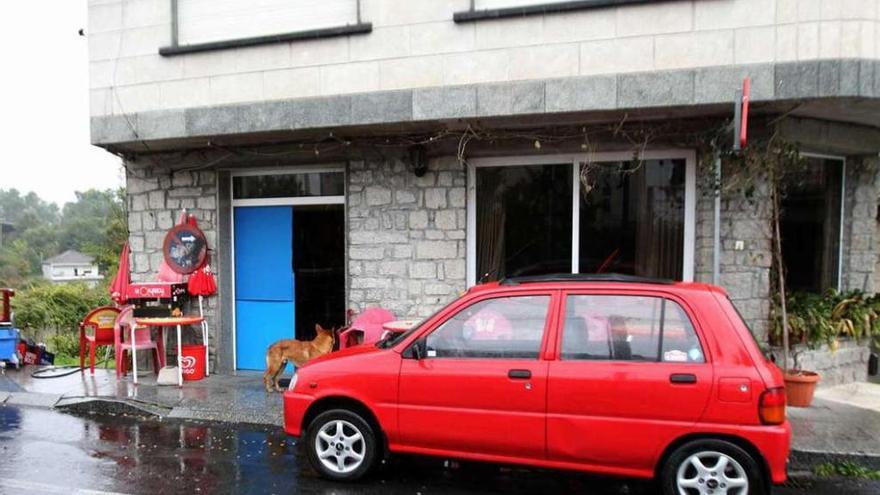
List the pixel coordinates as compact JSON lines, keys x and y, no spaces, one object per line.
{"x":816,"y":319}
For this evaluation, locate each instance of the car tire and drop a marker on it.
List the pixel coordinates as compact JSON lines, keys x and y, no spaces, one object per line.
{"x":716,"y":466}
{"x":341,"y":445}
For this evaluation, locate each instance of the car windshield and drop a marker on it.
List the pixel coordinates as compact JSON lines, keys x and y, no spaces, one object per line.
{"x":396,"y":339}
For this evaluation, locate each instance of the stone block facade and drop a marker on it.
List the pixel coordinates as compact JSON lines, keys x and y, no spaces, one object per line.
{"x":860,"y":233}
{"x":847,"y":364}
{"x":746,"y":254}
{"x":406,"y":244}
{"x":156,"y":195}
{"x":406,"y":239}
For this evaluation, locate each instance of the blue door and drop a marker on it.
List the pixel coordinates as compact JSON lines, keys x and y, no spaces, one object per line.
{"x":264,"y":281}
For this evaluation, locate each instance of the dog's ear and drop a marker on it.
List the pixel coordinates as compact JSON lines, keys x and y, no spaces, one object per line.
{"x":318,"y":328}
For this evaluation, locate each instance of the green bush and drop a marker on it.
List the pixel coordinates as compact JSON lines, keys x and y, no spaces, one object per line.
{"x":63,"y":344}
{"x":61,"y":307}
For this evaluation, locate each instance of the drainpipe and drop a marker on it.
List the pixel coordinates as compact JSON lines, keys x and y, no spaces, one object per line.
{"x":716,"y":235}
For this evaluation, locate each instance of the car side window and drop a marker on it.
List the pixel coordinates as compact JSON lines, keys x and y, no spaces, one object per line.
{"x":628,"y":328}
{"x":500,"y":328}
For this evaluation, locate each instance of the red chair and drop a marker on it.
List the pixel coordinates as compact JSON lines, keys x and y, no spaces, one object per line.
{"x":101,"y":321}
{"x":366,"y":328}
{"x":143,"y":338}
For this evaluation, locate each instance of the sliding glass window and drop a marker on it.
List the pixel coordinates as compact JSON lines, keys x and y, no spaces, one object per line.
{"x":604,"y":216}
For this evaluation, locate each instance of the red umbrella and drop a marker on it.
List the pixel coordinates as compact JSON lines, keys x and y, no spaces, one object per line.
{"x":202,"y":283}
{"x":119,"y":286}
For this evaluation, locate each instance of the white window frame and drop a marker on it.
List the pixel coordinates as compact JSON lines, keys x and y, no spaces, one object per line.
{"x":284,"y":201}
{"x":574,"y":160}
{"x":842,"y":160}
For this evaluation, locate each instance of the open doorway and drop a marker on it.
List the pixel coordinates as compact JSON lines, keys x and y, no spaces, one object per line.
{"x":289,"y":257}
{"x":319,"y":267}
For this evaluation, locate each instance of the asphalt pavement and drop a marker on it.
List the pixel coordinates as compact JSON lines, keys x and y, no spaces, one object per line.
{"x":47,"y":451}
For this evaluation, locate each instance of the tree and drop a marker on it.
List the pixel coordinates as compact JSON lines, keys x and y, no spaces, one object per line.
{"x":95,"y":224}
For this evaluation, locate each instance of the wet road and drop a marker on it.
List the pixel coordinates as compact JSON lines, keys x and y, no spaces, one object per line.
{"x":43,"y":451}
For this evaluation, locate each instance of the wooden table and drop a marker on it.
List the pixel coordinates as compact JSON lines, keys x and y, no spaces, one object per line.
{"x":172,"y":321}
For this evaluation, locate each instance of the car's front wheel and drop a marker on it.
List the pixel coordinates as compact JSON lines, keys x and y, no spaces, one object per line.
{"x":341,"y":445}
{"x":711,"y":467}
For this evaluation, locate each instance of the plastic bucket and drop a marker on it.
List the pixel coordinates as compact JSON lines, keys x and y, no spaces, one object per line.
{"x":192,"y":362}
{"x":8,"y":342}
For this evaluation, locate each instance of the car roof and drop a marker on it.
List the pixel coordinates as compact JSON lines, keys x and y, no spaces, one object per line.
{"x":594,"y":281}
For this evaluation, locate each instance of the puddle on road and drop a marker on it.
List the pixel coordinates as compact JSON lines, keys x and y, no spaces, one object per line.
{"x":129,"y":454}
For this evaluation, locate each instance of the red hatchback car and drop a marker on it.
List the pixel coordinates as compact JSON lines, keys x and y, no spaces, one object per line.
{"x":605,"y":374}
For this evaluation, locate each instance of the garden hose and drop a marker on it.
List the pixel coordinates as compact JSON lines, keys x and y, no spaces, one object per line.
{"x":39,"y":374}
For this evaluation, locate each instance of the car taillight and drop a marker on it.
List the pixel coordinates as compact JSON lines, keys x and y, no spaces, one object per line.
{"x":772,"y":406}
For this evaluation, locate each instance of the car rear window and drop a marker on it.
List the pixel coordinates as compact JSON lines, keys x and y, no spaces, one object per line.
{"x":628,"y":328}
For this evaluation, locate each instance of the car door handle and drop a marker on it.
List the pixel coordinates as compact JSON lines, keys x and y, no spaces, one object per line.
{"x":519,"y":374}
{"x":682,"y":378}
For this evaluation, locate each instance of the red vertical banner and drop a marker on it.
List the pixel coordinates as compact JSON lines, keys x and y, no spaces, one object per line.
{"x":744,"y":123}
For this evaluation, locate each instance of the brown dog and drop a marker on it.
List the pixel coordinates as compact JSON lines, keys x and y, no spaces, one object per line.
{"x":297,"y":351}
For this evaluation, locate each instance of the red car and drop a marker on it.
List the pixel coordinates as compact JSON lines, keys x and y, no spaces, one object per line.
{"x":606,"y":374}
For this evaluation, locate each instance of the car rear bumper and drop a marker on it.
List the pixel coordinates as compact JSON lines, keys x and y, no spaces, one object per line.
{"x":295,"y":407}
{"x":774,"y":443}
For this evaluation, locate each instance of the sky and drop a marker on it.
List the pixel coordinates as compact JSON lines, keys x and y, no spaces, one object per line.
{"x":44,"y":84}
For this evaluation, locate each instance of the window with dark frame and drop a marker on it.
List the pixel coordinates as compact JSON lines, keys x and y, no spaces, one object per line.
{"x":810,"y":224}
{"x":204,"y":25}
{"x":497,"y":9}
{"x":630,"y":219}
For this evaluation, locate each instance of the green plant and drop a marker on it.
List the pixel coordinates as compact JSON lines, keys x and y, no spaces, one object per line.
{"x":846,"y":469}
{"x":816,"y":319}
{"x":61,"y":306}
{"x":63,"y":344}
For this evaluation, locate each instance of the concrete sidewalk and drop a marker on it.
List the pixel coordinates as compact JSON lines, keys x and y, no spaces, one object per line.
{"x":842,"y":424}
{"x":232,"y":398}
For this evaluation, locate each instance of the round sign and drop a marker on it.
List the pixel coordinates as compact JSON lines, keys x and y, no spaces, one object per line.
{"x":185,"y":248}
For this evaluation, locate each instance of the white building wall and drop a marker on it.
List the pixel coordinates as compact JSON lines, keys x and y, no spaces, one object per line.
{"x":415,"y":43}
{"x":69,"y":272}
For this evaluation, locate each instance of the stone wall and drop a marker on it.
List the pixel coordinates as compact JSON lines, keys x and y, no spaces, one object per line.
{"x":849,"y":363}
{"x":745,"y":246}
{"x":156,"y":195}
{"x":406,"y":244}
{"x":860,"y":239}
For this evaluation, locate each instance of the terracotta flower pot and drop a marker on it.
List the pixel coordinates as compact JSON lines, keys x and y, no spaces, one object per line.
{"x":799,"y":387}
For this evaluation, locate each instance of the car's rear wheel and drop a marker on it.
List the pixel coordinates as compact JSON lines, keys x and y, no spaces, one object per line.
{"x":712,"y":467}
{"x":341,"y":445}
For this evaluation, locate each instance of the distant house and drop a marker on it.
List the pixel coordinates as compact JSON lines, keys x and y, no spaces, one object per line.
{"x":71,"y":266}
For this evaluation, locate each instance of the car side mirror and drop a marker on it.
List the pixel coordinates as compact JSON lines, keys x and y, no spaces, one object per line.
{"x":417,"y":350}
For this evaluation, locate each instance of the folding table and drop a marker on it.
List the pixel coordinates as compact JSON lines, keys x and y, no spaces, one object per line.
{"x":173,"y":321}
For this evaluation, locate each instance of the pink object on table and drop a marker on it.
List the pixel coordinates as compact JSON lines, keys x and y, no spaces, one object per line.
{"x":128,"y":338}
{"x":368,"y":324}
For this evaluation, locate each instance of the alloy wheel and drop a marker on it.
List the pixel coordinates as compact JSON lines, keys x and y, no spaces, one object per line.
{"x":711,"y":473}
{"x":340,"y":446}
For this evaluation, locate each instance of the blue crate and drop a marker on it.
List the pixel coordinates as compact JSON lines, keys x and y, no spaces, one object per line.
{"x":8,"y":342}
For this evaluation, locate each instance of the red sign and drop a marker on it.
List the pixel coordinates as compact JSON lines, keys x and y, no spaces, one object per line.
{"x":155,"y":290}
{"x":744,"y":125}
